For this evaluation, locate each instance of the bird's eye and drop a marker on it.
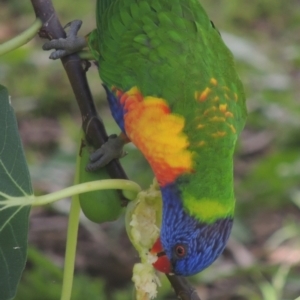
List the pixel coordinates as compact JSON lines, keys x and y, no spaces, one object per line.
{"x":180,"y":251}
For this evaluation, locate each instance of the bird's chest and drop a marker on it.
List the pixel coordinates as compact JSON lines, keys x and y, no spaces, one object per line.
{"x":158,"y":133}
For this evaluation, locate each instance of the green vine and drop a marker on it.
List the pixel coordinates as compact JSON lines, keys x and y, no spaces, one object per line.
{"x":21,"y":39}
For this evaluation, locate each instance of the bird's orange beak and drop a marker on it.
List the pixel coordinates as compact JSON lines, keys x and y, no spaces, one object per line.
{"x":162,"y":264}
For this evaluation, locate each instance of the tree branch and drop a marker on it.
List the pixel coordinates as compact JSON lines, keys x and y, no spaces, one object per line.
{"x":91,"y":122}
{"x":182,"y":288}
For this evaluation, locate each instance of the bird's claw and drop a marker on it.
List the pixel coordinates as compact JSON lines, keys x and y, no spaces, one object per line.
{"x":112,"y":149}
{"x":65,"y":46}
{"x":74,"y":25}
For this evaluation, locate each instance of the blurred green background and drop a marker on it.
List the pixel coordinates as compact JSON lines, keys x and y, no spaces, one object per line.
{"x":262,"y":258}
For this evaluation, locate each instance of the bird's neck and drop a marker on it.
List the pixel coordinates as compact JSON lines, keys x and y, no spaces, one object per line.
{"x":206,"y":194}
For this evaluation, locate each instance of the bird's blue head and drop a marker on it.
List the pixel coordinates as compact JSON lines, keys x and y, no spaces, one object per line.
{"x":187,"y":246}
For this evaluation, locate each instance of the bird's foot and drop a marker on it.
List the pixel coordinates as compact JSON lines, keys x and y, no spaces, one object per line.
{"x":112,"y":149}
{"x":71,"y":44}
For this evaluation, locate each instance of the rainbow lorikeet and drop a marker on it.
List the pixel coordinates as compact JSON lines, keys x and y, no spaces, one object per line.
{"x":173,"y":90}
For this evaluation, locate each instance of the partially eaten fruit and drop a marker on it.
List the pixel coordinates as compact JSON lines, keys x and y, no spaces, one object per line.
{"x":143,"y":220}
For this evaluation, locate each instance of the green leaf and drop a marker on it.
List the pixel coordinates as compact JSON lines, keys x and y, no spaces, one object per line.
{"x":14,"y":181}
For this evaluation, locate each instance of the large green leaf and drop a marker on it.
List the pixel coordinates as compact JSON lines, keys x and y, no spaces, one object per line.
{"x":14,"y":181}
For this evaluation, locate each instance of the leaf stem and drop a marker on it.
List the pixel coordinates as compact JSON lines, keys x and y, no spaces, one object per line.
{"x":106,"y":184}
{"x":22,"y":38}
{"x":71,"y":249}
{"x":86,"y":55}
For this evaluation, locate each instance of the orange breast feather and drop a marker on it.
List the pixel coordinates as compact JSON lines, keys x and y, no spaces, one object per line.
{"x":158,"y":134}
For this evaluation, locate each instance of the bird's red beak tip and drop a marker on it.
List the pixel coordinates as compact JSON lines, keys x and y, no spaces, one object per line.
{"x":162,"y":263}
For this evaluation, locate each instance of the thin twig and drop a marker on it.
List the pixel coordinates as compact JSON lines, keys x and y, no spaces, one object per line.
{"x":92,"y":124}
